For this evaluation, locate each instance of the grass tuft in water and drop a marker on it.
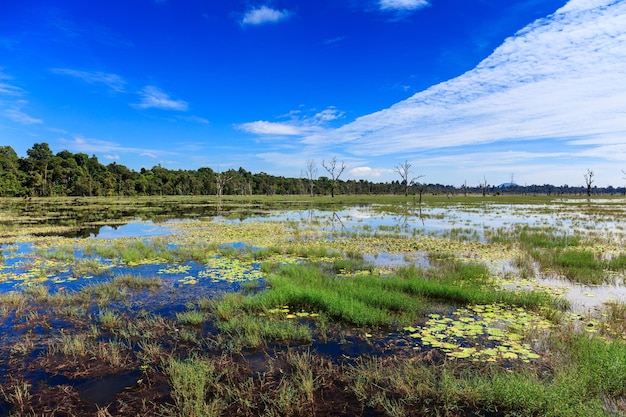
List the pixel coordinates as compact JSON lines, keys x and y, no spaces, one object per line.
{"x":191,"y":317}
{"x":192,"y":388}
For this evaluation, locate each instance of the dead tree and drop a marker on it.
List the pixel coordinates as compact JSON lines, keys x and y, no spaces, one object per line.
{"x":335,"y":172}
{"x":588,"y":181}
{"x":311,"y":175}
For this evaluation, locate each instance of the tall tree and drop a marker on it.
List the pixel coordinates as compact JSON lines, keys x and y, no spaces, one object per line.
{"x":335,"y":172}
{"x":9,"y":172}
{"x":311,"y":175}
{"x":39,"y":159}
{"x":589,"y":181}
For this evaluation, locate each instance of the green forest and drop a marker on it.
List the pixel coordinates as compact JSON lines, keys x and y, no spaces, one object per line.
{"x":42,"y":173}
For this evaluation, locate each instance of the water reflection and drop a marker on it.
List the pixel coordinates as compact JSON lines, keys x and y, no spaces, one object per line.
{"x":136,"y":229}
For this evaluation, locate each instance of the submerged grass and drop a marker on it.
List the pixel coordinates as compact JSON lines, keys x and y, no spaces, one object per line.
{"x":569,"y":255}
{"x":588,"y":381}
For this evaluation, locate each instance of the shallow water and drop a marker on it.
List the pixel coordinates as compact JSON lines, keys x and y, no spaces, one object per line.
{"x":465,"y":221}
{"x":102,"y":391}
{"x":135,"y":229}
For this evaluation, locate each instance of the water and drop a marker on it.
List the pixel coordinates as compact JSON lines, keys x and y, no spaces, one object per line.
{"x":473,"y":222}
{"x":136,"y":229}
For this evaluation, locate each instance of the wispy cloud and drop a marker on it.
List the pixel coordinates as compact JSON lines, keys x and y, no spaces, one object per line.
{"x":297,"y":125}
{"x":264,"y":15}
{"x":153,"y":97}
{"x":561,"y":78}
{"x":19,"y":116}
{"x":335,"y":41}
{"x":8,"y":89}
{"x":13,"y":110}
{"x":111,"y":150}
{"x":262,"y":127}
{"x":403,"y":5}
{"x":114,"y":82}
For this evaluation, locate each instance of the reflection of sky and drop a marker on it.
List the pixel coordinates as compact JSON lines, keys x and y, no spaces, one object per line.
{"x":132,"y":230}
{"x":438,"y":220}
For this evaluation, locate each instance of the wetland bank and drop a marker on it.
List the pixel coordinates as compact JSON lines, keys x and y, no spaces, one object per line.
{"x":496,"y":306}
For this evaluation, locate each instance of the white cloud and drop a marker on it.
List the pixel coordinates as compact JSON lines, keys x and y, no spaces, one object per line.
{"x":114,"y":82}
{"x":153,"y":97}
{"x":262,"y":127}
{"x":196,"y":119}
{"x":19,"y":116}
{"x":263,"y":15}
{"x":8,"y":89}
{"x":328,"y":115}
{"x":298,"y":124}
{"x":14,"y":112}
{"x":368,"y":172}
{"x":561,"y":78}
{"x":403,"y":5}
{"x":13,"y":106}
{"x":108,"y":149}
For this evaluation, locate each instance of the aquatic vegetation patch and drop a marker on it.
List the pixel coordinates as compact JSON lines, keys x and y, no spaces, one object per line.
{"x":481,"y":333}
{"x":85,"y":311}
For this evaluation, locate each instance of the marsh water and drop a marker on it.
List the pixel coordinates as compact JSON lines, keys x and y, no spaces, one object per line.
{"x":67,"y":247}
{"x":470,"y":222}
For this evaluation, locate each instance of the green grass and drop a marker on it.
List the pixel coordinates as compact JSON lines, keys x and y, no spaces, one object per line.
{"x":137,"y":282}
{"x":361,"y":300}
{"x":544,"y":239}
{"x":109,"y":319}
{"x":192,"y":388}
{"x":566,"y":255}
{"x":191,"y":317}
{"x":364,"y":300}
{"x":588,"y":380}
{"x":617,"y":263}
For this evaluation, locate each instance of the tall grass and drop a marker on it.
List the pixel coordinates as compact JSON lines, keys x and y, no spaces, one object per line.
{"x":362,"y":300}
{"x":192,"y":388}
{"x":375,"y":301}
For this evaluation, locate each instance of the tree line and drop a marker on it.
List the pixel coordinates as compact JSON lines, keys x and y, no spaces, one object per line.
{"x":43,"y":173}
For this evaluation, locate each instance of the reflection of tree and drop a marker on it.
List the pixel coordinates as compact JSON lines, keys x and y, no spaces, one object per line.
{"x":403,"y":219}
{"x":337,"y":220}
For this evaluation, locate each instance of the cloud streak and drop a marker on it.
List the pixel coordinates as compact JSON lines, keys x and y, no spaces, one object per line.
{"x":114,"y":82}
{"x":20,"y":117}
{"x":109,"y":149}
{"x":153,"y":98}
{"x":562,"y":77}
{"x":264,"y":15}
{"x":8,"y":89}
{"x":403,"y":5}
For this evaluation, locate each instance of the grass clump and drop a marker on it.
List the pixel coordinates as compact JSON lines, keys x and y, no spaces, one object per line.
{"x":192,"y":384}
{"x":465,"y":283}
{"x":564,"y":254}
{"x":137,"y":282}
{"x":361,"y":300}
{"x":191,"y":317}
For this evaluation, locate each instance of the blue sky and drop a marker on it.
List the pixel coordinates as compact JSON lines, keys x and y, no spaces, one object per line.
{"x":464,"y":90}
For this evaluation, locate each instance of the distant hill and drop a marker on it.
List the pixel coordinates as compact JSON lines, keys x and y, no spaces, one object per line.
{"x":507,"y":185}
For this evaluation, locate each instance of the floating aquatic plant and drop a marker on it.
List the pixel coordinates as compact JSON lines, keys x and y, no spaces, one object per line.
{"x":481,"y":333}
